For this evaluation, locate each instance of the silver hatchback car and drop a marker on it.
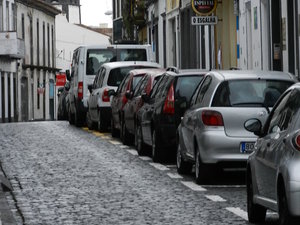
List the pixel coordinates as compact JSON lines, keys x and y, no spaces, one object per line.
{"x":273,"y":177}
{"x":212,"y":131}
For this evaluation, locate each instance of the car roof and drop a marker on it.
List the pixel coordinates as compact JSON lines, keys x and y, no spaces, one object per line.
{"x":253,"y":74}
{"x":112,"y":65}
{"x":185,"y":72}
{"x":147,"y":71}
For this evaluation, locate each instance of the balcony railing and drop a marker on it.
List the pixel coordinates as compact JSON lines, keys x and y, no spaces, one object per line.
{"x":11,"y":46}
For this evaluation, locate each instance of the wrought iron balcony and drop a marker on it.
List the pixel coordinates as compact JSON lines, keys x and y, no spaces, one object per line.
{"x":11,"y":45}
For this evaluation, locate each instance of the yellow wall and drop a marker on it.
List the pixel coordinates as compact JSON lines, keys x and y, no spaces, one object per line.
{"x":226,"y":34}
{"x":172,"y":4}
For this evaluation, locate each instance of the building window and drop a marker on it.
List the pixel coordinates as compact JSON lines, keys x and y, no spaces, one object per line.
{"x":38,"y":94}
{"x":23,"y":27}
{"x":38,"y":41}
{"x":7,"y":16}
{"x":44,"y":45}
{"x":14,"y":16}
{"x":1,"y":16}
{"x":48,"y":38}
{"x":31,"y":42}
{"x":53,"y":46}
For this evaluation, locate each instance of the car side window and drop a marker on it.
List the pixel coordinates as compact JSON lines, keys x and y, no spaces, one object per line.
{"x":162,"y":87}
{"x":101,"y":77}
{"x":278,"y":116}
{"x":156,"y":87}
{"x":141,"y":85}
{"x":204,"y":87}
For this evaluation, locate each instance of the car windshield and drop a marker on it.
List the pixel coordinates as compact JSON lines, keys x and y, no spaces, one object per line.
{"x":249,"y":93}
{"x":186,"y":86}
{"x":116,"y":75}
{"x":95,"y":58}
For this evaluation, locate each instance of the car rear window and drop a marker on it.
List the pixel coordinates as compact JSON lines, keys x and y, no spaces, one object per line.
{"x":116,"y":75}
{"x":95,"y":58}
{"x":186,"y":86}
{"x":132,"y":54}
{"x":249,"y":93}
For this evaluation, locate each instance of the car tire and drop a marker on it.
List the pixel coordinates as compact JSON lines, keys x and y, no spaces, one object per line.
{"x":256,"y":213}
{"x":183,"y":167}
{"x":89,"y":121}
{"x":101,"y":123}
{"x":125,"y":137}
{"x":114,"y":131}
{"x":285,"y":217}
{"x":157,"y":155}
{"x":201,"y":170}
{"x":139,"y":143}
{"x":71,"y":118}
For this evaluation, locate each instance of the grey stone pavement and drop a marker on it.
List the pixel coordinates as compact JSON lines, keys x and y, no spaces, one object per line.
{"x":61,"y":174}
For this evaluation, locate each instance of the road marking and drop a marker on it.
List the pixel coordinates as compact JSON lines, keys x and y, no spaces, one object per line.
{"x":174,"y":175}
{"x":132,"y":152}
{"x":193,"y":186}
{"x":224,"y":186}
{"x":159,"y":166}
{"x":98,"y":134}
{"x":239,"y":212}
{"x":105,"y":137}
{"x":145,"y":158}
{"x":115,"y":142}
{"x":215,"y":198}
{"x":85,"y":128}
{"x":171,"y":166}
{"x":124,"y":146}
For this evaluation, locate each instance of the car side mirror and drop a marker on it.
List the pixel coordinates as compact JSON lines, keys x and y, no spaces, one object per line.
{"x":67,"y":86}
{"x":68,"y":75}
{"x":111,"y":92}
{"x":254,"y":126}
{"x":128,"y":94}
{"x":145,"y":97}
{"x":90,"y":87}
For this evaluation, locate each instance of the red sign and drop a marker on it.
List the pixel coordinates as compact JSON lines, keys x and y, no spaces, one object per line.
{"x":61,"y":79}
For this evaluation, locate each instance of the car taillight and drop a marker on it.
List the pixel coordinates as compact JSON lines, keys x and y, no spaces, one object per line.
{"x":80,"y":90}
{"x":212,"y":118}
{"x":169,"y":107}
{"x":105,"y":96}
{"x":296,"y":141}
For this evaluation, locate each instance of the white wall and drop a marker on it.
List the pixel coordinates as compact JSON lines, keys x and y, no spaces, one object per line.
{"x":69,"y":37}
{"x":74,"y":15}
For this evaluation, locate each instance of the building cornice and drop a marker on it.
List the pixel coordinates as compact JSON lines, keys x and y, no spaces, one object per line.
{"x":41,"y":5}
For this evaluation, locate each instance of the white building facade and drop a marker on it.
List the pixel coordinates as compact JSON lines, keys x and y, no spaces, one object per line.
{"x":28,"y":72}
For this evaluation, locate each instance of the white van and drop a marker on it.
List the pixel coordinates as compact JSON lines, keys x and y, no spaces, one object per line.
{"x":85,"y":64}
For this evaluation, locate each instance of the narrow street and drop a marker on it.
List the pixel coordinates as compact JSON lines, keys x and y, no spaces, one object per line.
{"x":61,"y":174}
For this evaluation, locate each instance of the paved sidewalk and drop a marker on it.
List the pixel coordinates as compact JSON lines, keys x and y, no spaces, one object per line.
{"x":6,"y":216}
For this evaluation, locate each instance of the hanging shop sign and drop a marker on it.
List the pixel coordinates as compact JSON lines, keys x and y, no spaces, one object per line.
{"x":204,"y":20}
{"x":204,"y":7}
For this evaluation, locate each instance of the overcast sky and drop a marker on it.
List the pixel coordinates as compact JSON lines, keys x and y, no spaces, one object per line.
{"x":93,"y":12}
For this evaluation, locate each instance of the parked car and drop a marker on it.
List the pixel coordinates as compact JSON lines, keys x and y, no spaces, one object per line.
{"x":273,"y":178}
{"x":212,"y":131}
{"x":135,"y":102}
{"x":109,"y":77}
{"x":63,"y":101}
{"x":85,"y":64}
{"x":161,"y":113}
{"x":122,"y":96}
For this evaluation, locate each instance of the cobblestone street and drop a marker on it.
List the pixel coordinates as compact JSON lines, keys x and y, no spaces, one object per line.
{"x":61,"y":174}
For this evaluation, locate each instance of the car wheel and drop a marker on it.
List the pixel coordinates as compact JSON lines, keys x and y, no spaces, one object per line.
{"x":183,"y":167}
{"x":125,"y":135}
{"x":89,"y":121}
{"x":101,"y":123}
{"x":71,"y":118}
{"x":285,"y":217}
{"x":114,"y":131}
{"x":201,"y":169}
{"x":156,"y":149}
{"x":139,"y":143}
{"x":256,"y":213}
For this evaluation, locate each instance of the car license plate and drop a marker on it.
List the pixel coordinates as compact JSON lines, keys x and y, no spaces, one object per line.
{"x":246,"y":147}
